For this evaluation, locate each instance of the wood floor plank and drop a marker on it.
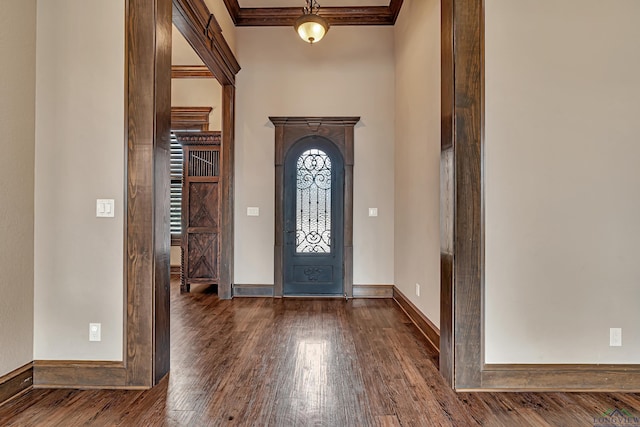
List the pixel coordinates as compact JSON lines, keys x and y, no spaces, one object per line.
{"x":288,"y":362}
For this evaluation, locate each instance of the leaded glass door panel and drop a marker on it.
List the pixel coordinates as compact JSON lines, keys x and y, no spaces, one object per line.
{"x":314,"y":216}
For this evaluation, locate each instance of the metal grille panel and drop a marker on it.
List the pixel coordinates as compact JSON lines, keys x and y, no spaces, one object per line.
{"x":204,"y":163}
{"x":313,"y":202}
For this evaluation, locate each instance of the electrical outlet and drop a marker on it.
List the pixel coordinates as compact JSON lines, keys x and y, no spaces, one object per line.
{"x":615,"y":337}
{"x":95,"y":332}
{"x":417,"y":289}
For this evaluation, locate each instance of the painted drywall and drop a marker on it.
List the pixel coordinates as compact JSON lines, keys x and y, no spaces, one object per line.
{"x":219,"y":10}
{"x":562,"y":181}
{"x":17,"y":121}
{"x":350,"y":73}
{"x":199,"y":93}
{"x":417,"y":154}
{"x":79,"y":158}
{"x":181,"y":51}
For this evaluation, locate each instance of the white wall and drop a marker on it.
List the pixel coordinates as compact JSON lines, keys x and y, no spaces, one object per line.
{"x":562,"y":181}
{"x":199,"y":93}
{"x":349,"y":73}
{"x":417,"y":154}
{"x":17,"y":121}
{"x":79,"y":158}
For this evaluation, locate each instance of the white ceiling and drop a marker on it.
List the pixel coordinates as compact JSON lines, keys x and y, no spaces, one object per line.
{"x":300,"y":3}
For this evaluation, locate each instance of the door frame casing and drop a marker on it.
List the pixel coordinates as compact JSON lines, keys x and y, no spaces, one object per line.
{"x":289,"y":130}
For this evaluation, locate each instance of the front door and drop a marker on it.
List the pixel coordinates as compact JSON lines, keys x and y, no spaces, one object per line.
{"x":314,"y":218}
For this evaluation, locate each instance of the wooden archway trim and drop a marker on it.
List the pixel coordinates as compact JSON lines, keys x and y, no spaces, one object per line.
{"x":340,"y":130}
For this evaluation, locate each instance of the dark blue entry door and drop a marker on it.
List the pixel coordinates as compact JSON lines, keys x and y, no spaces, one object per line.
{"x":314,"y":218}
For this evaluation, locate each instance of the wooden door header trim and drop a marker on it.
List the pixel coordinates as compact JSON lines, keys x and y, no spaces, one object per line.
{"x":201,"y":29}
{"x":285,"y":16}
{"x":314,"y":121}
{"x":191,"y":72}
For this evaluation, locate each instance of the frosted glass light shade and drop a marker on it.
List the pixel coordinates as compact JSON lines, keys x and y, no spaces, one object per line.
{"x":311,"y":27}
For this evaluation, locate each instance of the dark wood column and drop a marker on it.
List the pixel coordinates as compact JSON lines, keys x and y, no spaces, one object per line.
{"x":147,"y":239}
{"x":227,"y":202}
{"x":462,"y":258}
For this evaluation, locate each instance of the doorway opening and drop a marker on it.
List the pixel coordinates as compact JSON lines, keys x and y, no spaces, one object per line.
{"x":314,"y":219}
{"x":310,"y":259}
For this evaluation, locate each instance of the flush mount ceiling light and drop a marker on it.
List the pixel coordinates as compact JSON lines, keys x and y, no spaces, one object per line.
{"x":311,"y":27}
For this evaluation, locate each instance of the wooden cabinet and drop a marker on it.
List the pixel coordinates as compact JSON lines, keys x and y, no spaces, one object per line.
{"x":201,"y":193}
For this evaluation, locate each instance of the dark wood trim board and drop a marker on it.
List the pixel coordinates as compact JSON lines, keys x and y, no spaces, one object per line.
{"x":568,"y":378}
{"x":252,"y":290}
{"x":201,"y":29}
{"x":16,"y":383}
{"x":227,"y":164}
{"x":372,"y":291}
{"x":147,"y":240}
{"x":463,"y":129}
{"x":422,"y":322}
{"x":285,"y":16}
{"x":190,"y":72}
{"x":81,"y":374}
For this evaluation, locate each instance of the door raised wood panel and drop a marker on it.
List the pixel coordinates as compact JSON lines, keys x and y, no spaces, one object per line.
{"x":203,"y":256}
{"x":204,"y":206}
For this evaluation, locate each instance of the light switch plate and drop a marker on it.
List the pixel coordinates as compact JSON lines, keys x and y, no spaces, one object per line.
{"x":105,"y":208}
{"x":95,"y":332}
{"x":373,"y":211}
{"x":253,"y":211}
{"x":615,"y":337}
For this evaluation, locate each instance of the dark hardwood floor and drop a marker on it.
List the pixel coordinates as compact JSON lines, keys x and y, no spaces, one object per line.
{"x":268,"y":362}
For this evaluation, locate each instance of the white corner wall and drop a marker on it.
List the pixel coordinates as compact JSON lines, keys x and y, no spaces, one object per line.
{"x":79,"y":158}
{"x":562,"y":181}
{"x":349,"y":73}
{"x":417,"y":154}
{"x":17,"y":121}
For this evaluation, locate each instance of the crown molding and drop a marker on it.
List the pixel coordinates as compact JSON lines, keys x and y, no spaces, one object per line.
{"x":285,"y":16}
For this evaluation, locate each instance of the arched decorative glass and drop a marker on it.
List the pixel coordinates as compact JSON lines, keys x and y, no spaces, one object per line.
{"x":313,"y":202}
